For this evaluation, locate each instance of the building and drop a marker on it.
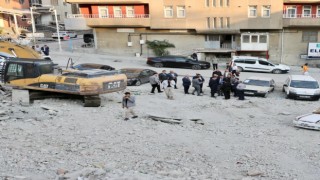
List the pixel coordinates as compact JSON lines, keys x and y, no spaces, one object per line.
{"x":45,"y":14}
{"x":211,"y":27}
{"x":301,"y":24}
{"x":14,"y":16}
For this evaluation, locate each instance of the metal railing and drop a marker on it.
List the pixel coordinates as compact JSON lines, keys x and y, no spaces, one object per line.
{"x":301,"y":15}
{"x":108,"y":16}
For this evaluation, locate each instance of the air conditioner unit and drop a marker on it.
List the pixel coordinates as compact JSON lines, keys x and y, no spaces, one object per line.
{"x":129,"y":44}
{"x":141,"y":41}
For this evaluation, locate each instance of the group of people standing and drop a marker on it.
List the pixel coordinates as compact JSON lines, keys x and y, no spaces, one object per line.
{"x":44,"y":49}
{"x":220,"y":84}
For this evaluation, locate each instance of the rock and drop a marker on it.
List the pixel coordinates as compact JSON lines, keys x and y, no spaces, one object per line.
{"x":284,"y":113}
{"x":251,"y":116}
{"x":61,"y":171}
{"x":2,"y":112}
{"x":47,"y":108}
{"x":52,"y":112}
{"x":4,"y":118}
{"x":254,"y":172}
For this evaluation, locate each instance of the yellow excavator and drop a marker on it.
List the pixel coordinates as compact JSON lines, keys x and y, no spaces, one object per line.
{"x":20,"y":51}
{"x":38,"y":75}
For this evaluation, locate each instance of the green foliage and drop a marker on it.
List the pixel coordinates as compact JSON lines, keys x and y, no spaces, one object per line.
{"x":159,"y":47}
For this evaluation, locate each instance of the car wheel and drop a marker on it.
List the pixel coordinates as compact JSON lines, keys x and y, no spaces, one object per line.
{"x":287,"y":95}
{"x":316,"y":99}
{"x":266,"y":94}
{"x":138,"y":83}
{"x":196,"y":67}
{"x":158,"y":65}
{"x":240,"y":69}
{"x":283,"y":89}
{"x":277,"y":71}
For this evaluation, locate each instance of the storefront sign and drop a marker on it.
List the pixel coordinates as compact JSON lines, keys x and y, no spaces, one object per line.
{"x":314,"y":50}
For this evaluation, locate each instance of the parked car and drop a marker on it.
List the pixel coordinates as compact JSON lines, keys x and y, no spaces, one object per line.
{"x":64,"y":35}
{"x":259,"y":86}
{"x":301,"y":87}
{"x":308,"y":121}
{"x":249,"y":63}
{"x":137,"y":76}
{"x":87,"y":66}
{"x":177,"y":62}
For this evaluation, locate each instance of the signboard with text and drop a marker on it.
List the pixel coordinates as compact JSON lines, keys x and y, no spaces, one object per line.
{"x":314,"y":50}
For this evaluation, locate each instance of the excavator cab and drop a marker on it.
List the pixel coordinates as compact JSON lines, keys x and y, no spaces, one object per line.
{"x":15,"y":69}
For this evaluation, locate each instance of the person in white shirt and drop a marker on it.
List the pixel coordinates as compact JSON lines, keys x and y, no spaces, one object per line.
{"x":168,"y":87}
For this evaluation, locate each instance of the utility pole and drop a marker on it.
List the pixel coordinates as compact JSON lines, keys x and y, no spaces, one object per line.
{"x":57,"y":26}
{"x":33,"y":26}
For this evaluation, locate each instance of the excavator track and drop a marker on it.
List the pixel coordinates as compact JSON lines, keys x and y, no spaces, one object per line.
{"x":92,"y":101}
{"x":89,"y":101}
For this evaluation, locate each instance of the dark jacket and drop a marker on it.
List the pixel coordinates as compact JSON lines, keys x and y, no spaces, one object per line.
{"x":213,"y":83}
{"x":163,"y":76}
{"x":186,"y":81}
{"x":201,"y":78}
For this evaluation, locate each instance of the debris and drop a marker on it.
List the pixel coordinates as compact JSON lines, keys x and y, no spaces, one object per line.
{"x":284,"y":113}
{"x":4,"y":118}
{"x":254,"y":172}
{"x":2,"y":112}
{"x":197,"y":121}
{"x":165,"y":119}
{"x":48,"y":108}
{"x":61,"y":171}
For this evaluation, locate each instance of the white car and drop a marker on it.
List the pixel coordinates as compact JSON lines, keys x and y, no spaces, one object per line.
{"x":258,"y":86}
{"x":301,"y":87}
{"x":249,"y":63}
{"x":308,"y":121}
{"x":64,"y":35}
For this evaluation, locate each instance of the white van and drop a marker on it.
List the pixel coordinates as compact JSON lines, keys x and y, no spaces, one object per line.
{"x":301,"y":86}
{"x":249,"y":63}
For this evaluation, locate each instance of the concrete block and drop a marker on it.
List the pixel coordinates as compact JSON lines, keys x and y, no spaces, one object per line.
{"x":20,"y":96}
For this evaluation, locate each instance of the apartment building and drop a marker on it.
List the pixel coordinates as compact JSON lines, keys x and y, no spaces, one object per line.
{"x":219,"y":27}
{"x":13,"y":15}
{"x":301,"y":24}
{"x":45,"y":16}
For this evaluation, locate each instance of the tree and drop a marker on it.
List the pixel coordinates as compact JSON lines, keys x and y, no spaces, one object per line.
{"x":159,"y":47}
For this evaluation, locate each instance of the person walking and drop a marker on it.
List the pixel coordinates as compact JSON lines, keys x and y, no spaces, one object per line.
{"x":168,"y":88}
{"x":196,"y":84}
{"x":194,"y":56}
{"x":215,"y":62}
{"x":45,"y":50}
{"x":200,"y":79}
{"x":240,"y":90}
{"x":128,"y":104}
{"x":174,"y":76}
{"x":186,"y":82}
{"x":213,"y":84}
{"x":155,"y":83}
{"x":163,"y":76}
{"x":305,"y":69}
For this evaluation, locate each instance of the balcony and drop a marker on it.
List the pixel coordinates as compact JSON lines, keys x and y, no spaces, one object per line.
{"x":301,"y":20}
{"x":123,"y":20}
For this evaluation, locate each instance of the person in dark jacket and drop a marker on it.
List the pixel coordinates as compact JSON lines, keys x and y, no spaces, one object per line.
{"x":174,"y":76}
{"x":226,"y":87}
{"x":186,"y":82}
{"x":240,"y":87}
{"x":163,"y":76}
{"x":213,"y":84}
{"x":45,"y":50}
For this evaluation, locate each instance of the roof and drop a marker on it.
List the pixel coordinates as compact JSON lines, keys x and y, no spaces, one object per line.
{"x":15,"y":11}
{"x":248,"y":57}
{"x":302,"y":78}
{"x":260,"y":78}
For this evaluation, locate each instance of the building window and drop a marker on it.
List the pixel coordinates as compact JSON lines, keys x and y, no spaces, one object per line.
{"x":309,"y":36}
{"x":207,"y":3}
{"x":228,"y":22}
{"x":246,"y":38}
{"x":181,"y":12}
{"x":318,"y":11}
{"x":54,"y":2}
{"x":265,"y":11}
{"x":214,"y":3}
{"x":130,"y":11}
{"x":103,"y":12}
{"x":212,"y":38}
{"x":252,"y":11}
{"x":208,"y":22}
{"x":54,"y":17}
{"x":254,"y":39}
{"x":65,"y":14}
{"x":306,"y":11}
{"x":221,"y":22}
{"x":168,"y":12}
{"x":214,"y":23}
{"x":117,"y":11}
{"x":291,"y":12}
{"x":263,"y":39}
